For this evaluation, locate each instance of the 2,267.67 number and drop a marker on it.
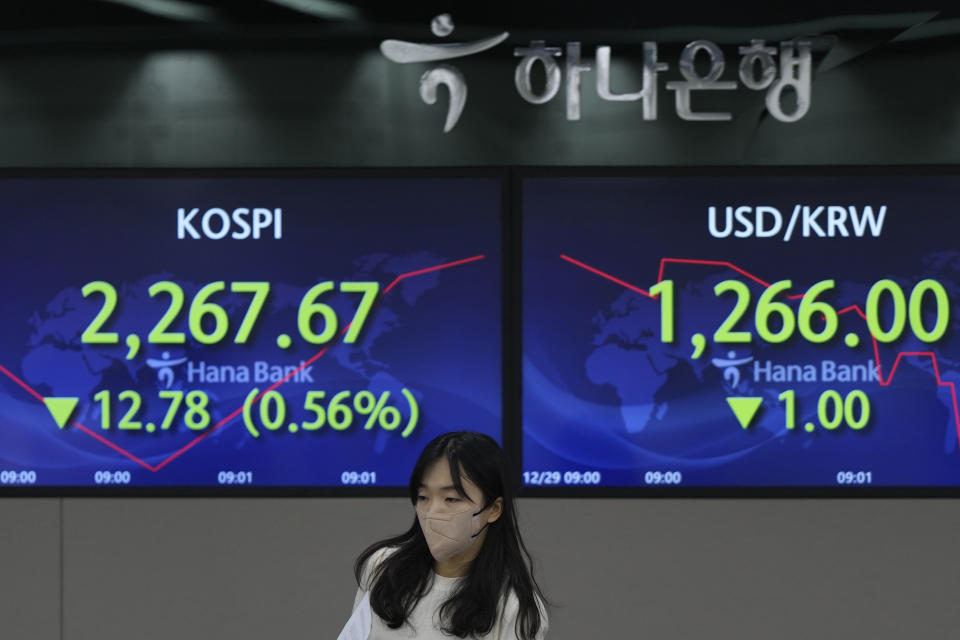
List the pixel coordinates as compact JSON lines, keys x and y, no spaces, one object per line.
{"x":209,"y":323}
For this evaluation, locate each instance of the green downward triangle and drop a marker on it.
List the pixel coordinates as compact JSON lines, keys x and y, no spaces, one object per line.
{"x":745,"y":409}
{"x":61,"y":409}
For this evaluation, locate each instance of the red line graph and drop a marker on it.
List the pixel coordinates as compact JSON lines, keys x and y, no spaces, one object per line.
{"x":853,"y":307}
{"x":93,"y":434}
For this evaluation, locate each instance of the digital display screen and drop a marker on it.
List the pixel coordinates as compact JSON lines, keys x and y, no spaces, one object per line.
{"x":192,"y":331}
{"x":730,"y":331}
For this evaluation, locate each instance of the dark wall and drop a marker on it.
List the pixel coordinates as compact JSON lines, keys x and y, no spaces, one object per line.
{"x":872,"y":103}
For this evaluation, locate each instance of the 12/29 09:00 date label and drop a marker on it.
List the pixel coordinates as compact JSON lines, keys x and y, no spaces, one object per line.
{"x":545,"y":478}
{"x":593,"y":478}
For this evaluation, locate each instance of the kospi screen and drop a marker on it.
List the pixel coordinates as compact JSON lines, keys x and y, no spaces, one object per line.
{"x":241,"y":330}
{"x":741,"y":331}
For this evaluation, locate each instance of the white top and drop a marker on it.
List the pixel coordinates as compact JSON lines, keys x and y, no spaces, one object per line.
{"x":423,"y":623}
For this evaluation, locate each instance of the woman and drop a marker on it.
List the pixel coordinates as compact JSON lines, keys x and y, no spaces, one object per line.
{"x":462,"y":568}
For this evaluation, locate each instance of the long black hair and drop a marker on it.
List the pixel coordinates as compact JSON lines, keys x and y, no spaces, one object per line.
{"x":502,"y":565}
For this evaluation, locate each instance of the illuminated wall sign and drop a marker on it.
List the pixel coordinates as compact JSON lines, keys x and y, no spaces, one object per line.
{"x":759,"y":70}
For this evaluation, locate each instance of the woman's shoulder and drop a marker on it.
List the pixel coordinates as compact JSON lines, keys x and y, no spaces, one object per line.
{"x":373,"y":563}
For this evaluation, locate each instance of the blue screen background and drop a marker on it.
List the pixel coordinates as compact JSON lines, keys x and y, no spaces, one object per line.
{"x":602,"y":393}
{"x":436,"y":334}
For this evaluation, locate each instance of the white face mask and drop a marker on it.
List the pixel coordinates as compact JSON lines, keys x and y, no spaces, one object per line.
{"x":449,"y":534}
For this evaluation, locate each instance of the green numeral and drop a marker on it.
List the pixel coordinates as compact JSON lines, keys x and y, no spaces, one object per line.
{"x":916,"y":310}
{"x":899,"y":310}
{"x":766,"y":307}
{"x":790,"y":410}
{"x":177,"y":398}
{"x":197,"y":417}
{"x":369,"y":291}
{"x":126,"y":421}
{"x":279,"y":410}
{"x":103,"y":397}
{"x":311,"y":404}
{"x":828,"y":398}
{"x":725,"y":333}
{"x":92,"y":334}
{"x":810,"y":306}
{"x":309,"y":307}
{"x":200,"y":308}
{"x":259,"y":291}
{"x":159,"y":335}
{"x":856,"y":396}
{"x":664,"y":289}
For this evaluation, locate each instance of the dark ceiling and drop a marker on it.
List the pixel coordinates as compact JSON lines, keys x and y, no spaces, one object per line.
{"x":49,"y":23}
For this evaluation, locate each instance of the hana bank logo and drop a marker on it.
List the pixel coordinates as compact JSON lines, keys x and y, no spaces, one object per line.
{"x":701,"y":66}
{"x":731,"y":374}
{"x":404,"y":52}
{"x":164,"y":367}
